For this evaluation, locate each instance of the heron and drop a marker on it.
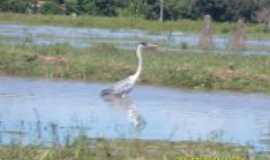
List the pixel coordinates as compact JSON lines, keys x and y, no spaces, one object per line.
{"x":123,"y":87}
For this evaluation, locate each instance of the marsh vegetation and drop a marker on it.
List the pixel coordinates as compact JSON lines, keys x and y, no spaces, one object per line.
{"x":84,"y":148}
{"x":105,"y":62}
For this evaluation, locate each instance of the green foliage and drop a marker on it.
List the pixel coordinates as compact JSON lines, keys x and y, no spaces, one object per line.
{"x":98,"y":7}
{"x":132,"y":8}
{"x":220,"y":10}
{"x":17,"y":6}
{"x":50,"y":8}
{"x":173,"y":9}
{"x":71,"y":7}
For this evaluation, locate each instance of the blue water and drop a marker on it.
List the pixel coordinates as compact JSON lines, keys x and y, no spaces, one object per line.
{"x":44,"y":111}
{"x":124,"y":38}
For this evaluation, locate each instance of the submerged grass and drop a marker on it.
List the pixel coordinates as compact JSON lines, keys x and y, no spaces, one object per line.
{"x":84,"y":148}
{"x":255,"y":30}
{"x":105,"y":62}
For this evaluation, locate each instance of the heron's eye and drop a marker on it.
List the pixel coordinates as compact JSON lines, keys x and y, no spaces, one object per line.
{"x":144,"y":43}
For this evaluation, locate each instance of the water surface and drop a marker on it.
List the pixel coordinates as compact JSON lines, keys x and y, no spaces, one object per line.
{"x":44,"y":111}
{"x":124,"y":38}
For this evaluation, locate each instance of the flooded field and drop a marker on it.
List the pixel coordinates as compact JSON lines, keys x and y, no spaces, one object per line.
{"x":52,"y":112}
{"x":86,"y":37}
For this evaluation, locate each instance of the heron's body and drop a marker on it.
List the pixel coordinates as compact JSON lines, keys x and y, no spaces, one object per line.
{"x":123,"y":87}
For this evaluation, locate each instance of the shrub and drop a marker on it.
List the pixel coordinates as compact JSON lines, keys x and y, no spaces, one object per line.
{"x":100,"y":7}
{"x":50,"y":8}
{"x":17,"y":6}
{"x":226,"y":10}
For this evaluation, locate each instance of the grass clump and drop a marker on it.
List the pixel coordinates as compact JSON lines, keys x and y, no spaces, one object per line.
{"x":84,"y":148}
{"x":99,"y":63}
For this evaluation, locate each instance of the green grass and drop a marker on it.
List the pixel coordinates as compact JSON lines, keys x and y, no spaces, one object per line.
{"x":254,"y":30}
{"x":104,"y":62}
{"x":84,"y":148}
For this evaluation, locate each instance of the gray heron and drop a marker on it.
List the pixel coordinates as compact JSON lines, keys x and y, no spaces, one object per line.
{"x":123,"y":87}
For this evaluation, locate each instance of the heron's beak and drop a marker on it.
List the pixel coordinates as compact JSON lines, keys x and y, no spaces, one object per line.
{"x":152,"y":45}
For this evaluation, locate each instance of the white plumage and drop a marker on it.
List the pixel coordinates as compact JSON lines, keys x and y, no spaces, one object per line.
{"x":123,"y":87}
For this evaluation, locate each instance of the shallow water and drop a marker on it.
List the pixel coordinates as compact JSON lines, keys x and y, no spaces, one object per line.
{"x":125,"y":38}
{"x":43,"y":111}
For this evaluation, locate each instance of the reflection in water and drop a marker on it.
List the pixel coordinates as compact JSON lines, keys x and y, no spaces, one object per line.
{"x":38,"y":125}
{"x":55,"y":136}
{"x":60,"y":111}
{"x":125,"y":104}
{"x":29,"y":133}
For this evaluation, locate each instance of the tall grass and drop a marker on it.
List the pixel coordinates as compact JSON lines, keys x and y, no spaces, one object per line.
{"x":107,"y":63}
{"x":84,"y":148}
{"x":77,"y":144}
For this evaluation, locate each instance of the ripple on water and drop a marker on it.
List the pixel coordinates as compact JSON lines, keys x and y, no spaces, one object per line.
{"x":67,"y":108}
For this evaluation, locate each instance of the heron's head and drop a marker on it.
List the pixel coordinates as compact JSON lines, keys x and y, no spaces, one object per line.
{"x":146,"y":45}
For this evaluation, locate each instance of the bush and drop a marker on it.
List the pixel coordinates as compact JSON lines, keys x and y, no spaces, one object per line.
{"x":51,"y":8}
{"x":99,"y":7}
{"x":71,"y":8}
{"x":226,"y":10}
{"x":220,"y":10}
{"x":17,"y":6}
{"x":173,"y":9}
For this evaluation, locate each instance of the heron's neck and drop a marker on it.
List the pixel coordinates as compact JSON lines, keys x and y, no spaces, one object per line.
{"x":140,"y":62}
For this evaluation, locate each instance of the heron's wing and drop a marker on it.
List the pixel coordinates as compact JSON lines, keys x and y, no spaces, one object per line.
{"x":124,"y":85}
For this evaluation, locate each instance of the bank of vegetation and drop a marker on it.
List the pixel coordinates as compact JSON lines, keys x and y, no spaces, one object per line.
{"x":104,"y":62}
{"x":164,"y":10}
{"x":84,"y":148}
{"x":220,"y":10}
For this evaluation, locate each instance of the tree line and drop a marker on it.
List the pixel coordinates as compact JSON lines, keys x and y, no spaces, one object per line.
{"x":220,"y":10}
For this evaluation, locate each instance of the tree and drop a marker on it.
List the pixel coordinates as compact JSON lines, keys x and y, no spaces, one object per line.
{"x":51,"y":8}
{"x":98,"y":7}
{"x":225,"y":10}
{"x":172,"y":9}
{"x":161,"y":10}
{"x":18,"y":6}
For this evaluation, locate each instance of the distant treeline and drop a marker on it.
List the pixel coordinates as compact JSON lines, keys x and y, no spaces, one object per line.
{"x":220,"y":10}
